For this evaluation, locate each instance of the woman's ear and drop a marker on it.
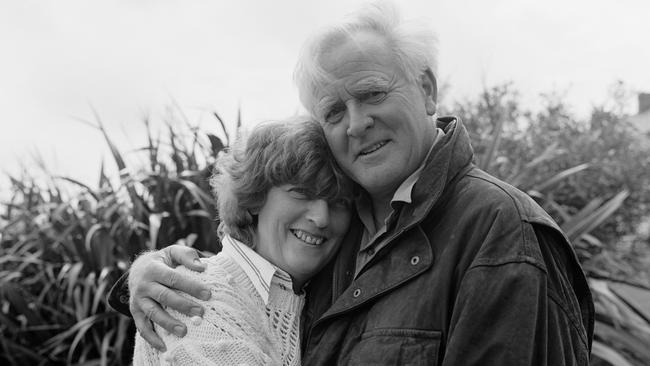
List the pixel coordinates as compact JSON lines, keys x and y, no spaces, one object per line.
{"x":253,"y":213}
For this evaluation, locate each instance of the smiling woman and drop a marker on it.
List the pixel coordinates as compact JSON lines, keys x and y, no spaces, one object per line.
{"x":284,"y":209}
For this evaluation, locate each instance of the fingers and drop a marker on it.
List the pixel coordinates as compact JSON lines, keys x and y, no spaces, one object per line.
{"x":147,"y":331}
{"x":156,"y":281}
{"x":184,"y":256}
{"x":172,"y":299}
{"x":147,"y":309}
{"x":174,"y":279}
{"x":152,"y":287}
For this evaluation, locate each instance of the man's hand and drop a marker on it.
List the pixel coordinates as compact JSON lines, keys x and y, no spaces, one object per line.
{"x":152,"y":281}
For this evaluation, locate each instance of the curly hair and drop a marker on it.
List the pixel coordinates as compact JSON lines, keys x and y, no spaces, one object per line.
{"x":293,"y":151}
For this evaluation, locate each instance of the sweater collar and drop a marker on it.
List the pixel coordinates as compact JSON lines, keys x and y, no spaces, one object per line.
{"x":259,"y":271}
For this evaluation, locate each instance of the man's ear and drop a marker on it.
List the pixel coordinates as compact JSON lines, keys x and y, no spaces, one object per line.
{"x":430,"y":89}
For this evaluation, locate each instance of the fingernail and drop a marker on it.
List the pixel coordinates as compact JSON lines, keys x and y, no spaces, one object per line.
{"x":195,"y":311}
{"x":179,"y":331}
{"x":161,"y":348}
{"x":197,"y":262}
{"x":205,"y":295}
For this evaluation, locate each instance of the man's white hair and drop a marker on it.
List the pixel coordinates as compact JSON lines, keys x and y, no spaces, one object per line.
{"x":413,"y":44}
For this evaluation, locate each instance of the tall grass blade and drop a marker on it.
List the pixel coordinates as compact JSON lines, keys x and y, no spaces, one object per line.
{"x":488,"y":159}
{"x":223,"y":126}
{"x":80,"y":184}
{"x":545,"y":186}
{"x":607,"y":353}
{"x":595,"y":218}
{"x":154,"y":228}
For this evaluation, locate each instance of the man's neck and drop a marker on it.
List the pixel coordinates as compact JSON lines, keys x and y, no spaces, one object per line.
{"x":381,"y":201}
{"x":381,"y":208}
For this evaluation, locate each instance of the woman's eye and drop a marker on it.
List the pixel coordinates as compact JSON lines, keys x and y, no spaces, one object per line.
{"x":340,"y":203}
{"x":299,"y":193}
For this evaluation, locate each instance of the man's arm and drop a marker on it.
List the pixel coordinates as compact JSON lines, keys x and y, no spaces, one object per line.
{"x":234,"y":330}
{"x":118,"y":296}
{"x":152,"y":280}
{"x":523,"y":312}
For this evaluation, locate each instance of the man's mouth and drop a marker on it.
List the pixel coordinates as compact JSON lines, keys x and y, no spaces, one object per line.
{"x":307,"y":237}
{"x":372,"y":148}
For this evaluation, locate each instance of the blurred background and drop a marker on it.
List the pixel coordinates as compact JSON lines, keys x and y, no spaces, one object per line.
{"x":112,"y":113}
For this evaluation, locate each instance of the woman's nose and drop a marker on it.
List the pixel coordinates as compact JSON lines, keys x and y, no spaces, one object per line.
{"x":318,"y":213}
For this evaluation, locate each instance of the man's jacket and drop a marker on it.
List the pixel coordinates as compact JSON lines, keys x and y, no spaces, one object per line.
{"x":475,"y":273}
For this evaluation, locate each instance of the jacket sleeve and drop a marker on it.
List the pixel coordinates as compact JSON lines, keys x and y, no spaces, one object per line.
{"x":118,"y":296}
{"x":521,"y":312}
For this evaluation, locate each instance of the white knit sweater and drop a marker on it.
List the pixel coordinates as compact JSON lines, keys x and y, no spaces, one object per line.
{"x":238,"y":328}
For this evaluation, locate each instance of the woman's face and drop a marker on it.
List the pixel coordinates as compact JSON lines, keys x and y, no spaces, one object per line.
{"x":298,"y":233}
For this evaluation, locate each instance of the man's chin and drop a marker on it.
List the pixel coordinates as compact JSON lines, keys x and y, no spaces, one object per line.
{"x":380,"y":182}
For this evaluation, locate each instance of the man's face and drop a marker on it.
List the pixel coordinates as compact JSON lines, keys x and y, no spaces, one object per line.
{"x":376,"y":121}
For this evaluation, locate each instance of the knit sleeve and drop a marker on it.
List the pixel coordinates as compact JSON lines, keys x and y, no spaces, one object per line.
{"x":234,"y":329}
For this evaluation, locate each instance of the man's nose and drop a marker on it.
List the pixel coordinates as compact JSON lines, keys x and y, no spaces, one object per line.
{"x":318,"y":213}
{"x":359,"y":120}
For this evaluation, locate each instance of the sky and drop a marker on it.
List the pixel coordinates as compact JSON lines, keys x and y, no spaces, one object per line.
{"x":131,"y":59}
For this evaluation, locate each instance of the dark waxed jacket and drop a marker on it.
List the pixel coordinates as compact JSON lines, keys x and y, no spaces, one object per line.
{"x":475,"y":273}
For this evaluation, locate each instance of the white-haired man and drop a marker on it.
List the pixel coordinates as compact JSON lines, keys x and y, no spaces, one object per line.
{"x":444,"y":264}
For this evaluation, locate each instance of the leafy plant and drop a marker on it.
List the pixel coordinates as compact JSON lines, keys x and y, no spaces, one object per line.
{"x":540,"y":154}
{"x":61,"y":251}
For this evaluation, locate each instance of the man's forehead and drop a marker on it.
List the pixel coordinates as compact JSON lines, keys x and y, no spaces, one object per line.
{"x":353,"y":64}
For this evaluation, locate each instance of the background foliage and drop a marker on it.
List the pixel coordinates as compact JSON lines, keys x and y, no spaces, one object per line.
{"x":63,"y":243}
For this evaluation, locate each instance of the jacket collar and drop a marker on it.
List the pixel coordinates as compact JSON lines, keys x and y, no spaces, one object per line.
{"x":448,"y":158}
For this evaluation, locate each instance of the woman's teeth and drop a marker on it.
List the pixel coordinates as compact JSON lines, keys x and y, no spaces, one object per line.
{"x":308,"y":238}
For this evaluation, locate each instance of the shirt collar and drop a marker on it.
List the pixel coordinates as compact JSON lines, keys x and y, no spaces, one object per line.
{"x":259,"y":270}
{"x":403,"y":192}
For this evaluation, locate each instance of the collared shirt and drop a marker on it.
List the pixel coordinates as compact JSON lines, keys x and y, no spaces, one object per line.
{"x":262,"y":273}
{"x":370,"y":241}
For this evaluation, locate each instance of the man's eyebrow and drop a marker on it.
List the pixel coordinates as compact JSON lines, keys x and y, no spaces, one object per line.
{"x":323,"y":105}
{"x":368,"y":83}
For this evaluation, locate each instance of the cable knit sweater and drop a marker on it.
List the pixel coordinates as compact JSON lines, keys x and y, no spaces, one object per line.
{"x":238,"y":328}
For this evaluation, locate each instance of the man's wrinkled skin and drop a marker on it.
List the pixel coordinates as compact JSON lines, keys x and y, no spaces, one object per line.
{"x":156,"y":276}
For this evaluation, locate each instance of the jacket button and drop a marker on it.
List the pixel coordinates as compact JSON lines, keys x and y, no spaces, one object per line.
{"x":124,"y":299}
{"x":415,"y":260}
{"x":356,"y":292}
{"x":371,"y":251}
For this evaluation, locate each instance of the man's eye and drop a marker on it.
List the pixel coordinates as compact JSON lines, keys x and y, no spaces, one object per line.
{"x":374,"y":96}
{"x":334,"y":115}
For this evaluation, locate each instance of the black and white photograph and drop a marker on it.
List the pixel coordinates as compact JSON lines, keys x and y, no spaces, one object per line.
{"x":360,"y":182}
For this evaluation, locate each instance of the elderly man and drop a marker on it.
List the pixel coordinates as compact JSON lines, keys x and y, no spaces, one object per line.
{"x":444,"y":264}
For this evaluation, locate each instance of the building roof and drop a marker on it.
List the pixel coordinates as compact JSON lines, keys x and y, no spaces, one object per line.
{"x":641,"y":122}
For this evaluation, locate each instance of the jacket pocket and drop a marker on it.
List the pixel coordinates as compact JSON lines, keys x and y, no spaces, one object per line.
{"x":397,"y":346}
